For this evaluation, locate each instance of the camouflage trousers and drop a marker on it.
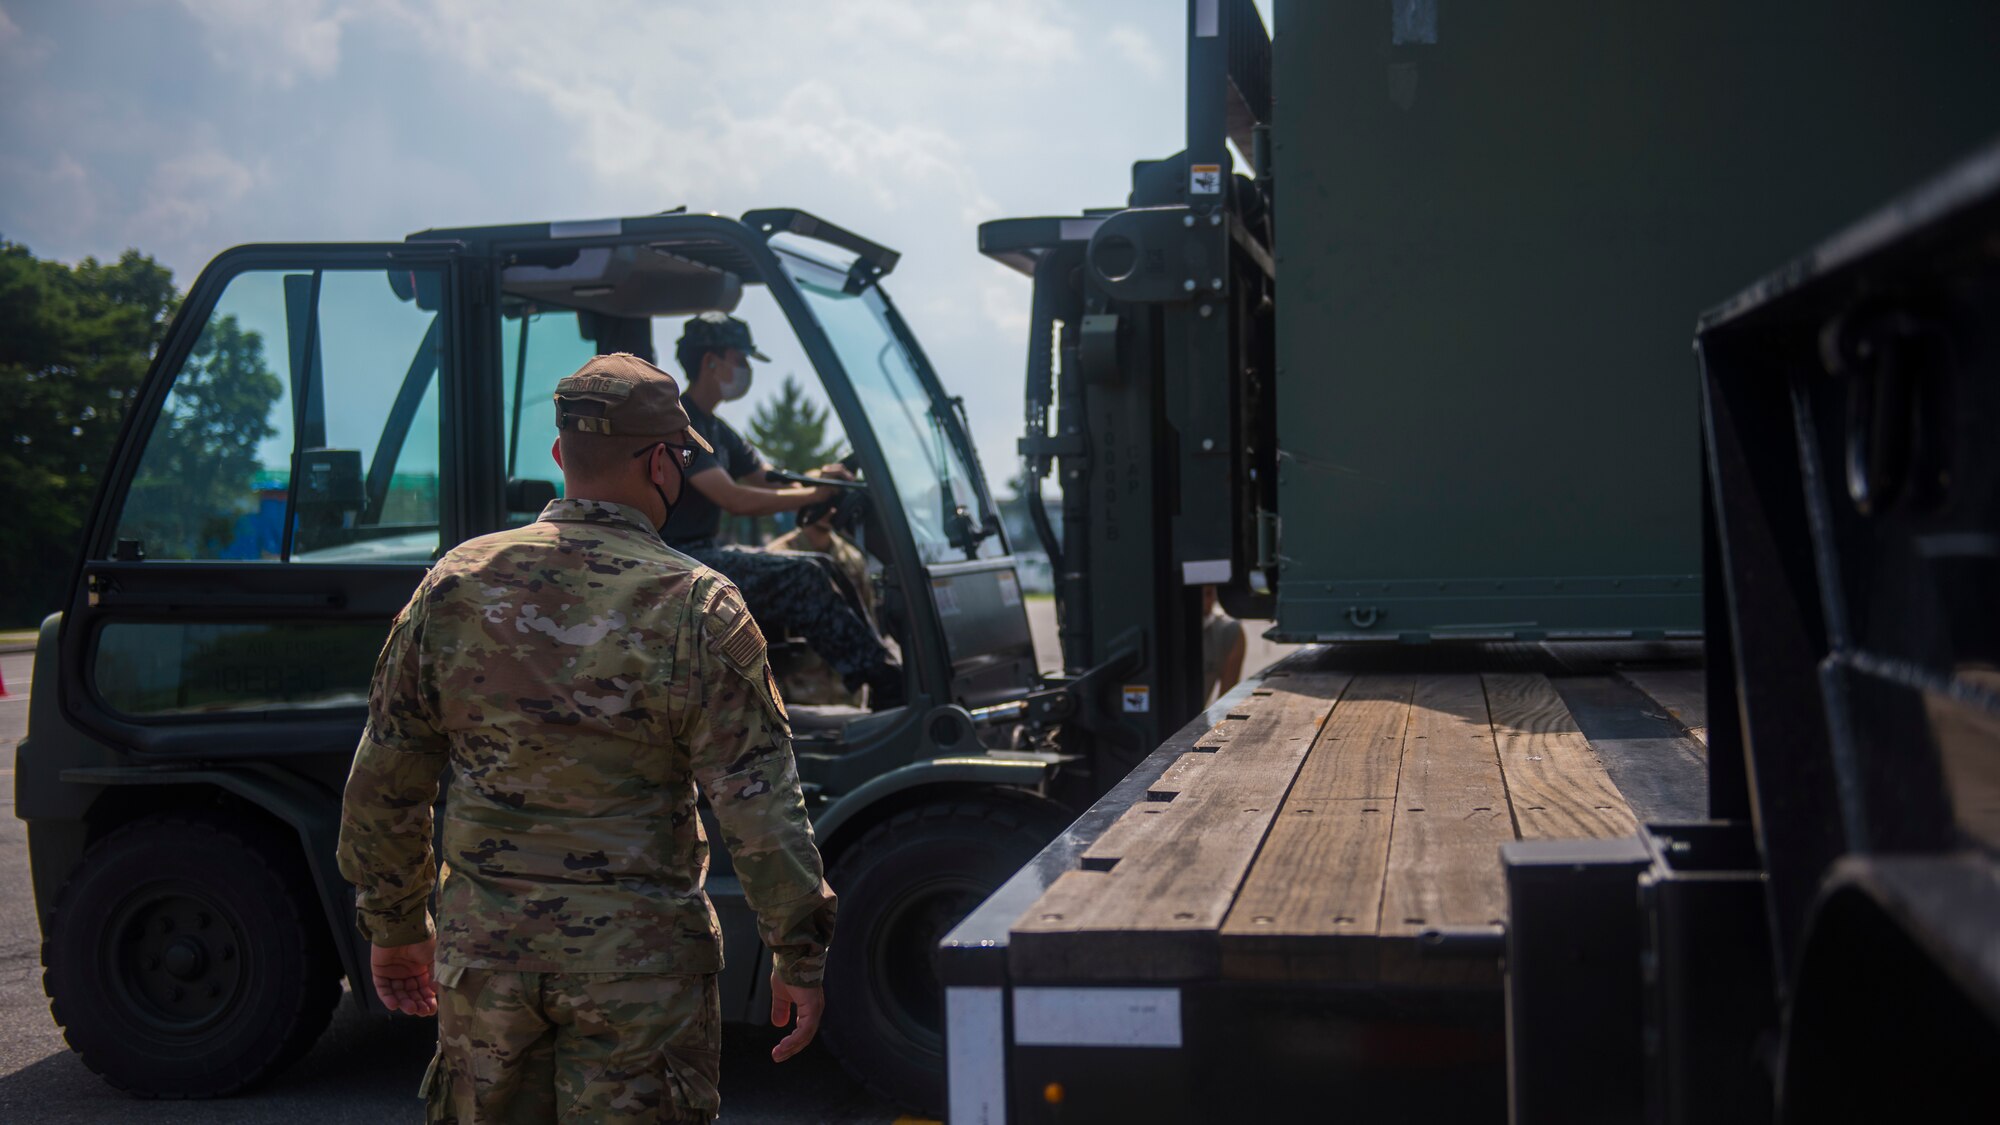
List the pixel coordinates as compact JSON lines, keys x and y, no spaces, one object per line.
{"x":804,"y":594}
{"x":599,"y":1047}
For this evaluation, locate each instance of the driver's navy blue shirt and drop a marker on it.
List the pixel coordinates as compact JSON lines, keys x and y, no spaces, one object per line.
{"x":696,"y":517}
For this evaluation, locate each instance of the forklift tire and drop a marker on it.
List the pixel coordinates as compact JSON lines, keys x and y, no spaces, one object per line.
{"x":902,"y":887}
{"x":187,"y":958}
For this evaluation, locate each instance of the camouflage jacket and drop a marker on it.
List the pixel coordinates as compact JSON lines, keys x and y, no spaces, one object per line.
{"x":574,"y":680}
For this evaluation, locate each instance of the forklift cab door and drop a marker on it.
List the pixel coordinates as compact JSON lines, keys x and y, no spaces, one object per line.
{"x":283,"y":482}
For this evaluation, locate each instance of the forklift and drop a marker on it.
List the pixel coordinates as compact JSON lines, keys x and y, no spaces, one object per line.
{"x":322,"y":423}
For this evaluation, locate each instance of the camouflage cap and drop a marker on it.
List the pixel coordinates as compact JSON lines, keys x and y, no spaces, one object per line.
{"x":720,"y":330}
{"x":622,"y":395}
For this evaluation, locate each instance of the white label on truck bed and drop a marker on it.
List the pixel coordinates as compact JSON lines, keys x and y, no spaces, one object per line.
{"x":1097,"y":1017}
{"x":975,"y":1036}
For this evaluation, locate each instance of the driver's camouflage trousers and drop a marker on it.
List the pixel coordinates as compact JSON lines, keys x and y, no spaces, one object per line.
{"x":599,"y":1047}
{"x":803,"y":594}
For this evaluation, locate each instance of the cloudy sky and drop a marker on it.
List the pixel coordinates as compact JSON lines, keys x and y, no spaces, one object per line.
{"x":182,"y":127}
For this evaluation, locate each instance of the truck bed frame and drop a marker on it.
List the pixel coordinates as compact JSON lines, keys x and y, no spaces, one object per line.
{"x":1342,"y":864}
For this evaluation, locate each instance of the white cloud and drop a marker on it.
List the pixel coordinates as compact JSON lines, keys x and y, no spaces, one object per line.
{"x":896,"y":164}
{"x":1014,"y":33}
{"x":1004,"y":300}
{"x":653,"y":94}
{"x":189,"y":190}
{"x":1032,"y":33}
{"x":1135,"y":47}
{"x":906,"y":120}
{"x":17,"y":47}
{"x":273,"y":42}
{"x":68,"y":193}
{"x":909,"y":121}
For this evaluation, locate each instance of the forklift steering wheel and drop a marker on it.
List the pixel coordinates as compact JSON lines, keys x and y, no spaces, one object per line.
{"x":849,"y":509}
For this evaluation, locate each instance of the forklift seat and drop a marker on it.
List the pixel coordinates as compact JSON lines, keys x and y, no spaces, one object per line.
{"x":822,"y":719}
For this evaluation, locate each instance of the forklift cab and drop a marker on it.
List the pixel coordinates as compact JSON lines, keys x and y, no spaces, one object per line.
{"x":321,"y":423}
{"x":395,"y":400}
{"x":948,"y":596}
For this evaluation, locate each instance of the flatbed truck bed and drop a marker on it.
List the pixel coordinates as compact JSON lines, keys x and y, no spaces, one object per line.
{"x":1325,"y":841}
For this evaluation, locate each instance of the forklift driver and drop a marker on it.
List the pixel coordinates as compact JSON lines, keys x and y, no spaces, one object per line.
{"x":788,"y":592}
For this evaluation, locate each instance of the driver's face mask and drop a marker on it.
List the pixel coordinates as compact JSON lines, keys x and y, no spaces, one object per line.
{"x":737,"y":383}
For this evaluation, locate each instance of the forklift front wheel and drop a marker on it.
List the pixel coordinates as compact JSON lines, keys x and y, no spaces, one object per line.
{"x":185,"y":958}
{"x":902,"y":887}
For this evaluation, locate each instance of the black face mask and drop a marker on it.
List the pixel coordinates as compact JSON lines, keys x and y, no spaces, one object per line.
{"x":674,"y":459}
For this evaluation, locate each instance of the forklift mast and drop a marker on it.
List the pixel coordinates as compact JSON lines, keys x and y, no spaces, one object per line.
{"x":1149,"y":399}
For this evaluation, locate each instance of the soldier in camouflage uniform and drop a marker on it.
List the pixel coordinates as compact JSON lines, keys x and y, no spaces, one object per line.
{"x":577,"y":680}
{"x":805,"y":677}
{"x":791,"y":593}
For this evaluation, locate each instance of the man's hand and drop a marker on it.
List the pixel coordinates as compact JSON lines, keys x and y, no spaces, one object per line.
{"x":403,"y":977}
{"x":827,"y":494}
{"x":810,"y":1000}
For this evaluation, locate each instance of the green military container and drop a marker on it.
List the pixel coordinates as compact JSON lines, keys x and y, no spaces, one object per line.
{"x":1497,"y":222}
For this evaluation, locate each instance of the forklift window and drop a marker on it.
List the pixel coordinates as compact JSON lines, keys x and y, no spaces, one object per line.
{"x":157,"y":668}
{"x":916,"y":434}
{"x":303,"y":425}
{"x":538,"y":346}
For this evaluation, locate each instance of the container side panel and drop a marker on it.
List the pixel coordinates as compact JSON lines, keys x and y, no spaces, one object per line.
{"x":1493,"y":250}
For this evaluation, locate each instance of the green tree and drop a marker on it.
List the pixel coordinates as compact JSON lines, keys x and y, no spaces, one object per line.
{"x":74,"y":344}
{"x":791,"y":432}
{"x":198,"y":475}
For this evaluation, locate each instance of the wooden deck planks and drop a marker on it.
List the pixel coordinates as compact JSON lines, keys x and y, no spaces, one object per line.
{"x":1185,"y":772}
{"x":1683,"y":692}
{"x":1451,"y":816}
{"x":1555,"y":784}
{"x":1153,"y":911}
{"x":1322,"y":828}
{"x":1320,"y":871}
{"x":1131,"y":830}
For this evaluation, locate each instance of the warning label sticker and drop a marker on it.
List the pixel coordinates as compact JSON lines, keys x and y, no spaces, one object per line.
{"x":1138,"y":699}
{"x":945,"y":596}
{"x":1205,"y":179}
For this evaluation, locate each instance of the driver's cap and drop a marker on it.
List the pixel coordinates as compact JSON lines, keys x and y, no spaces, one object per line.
{"x":720,"y":330}
{"x":622,"y":395}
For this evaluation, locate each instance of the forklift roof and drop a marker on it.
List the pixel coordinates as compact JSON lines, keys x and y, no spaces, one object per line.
{"x":670,"y":264}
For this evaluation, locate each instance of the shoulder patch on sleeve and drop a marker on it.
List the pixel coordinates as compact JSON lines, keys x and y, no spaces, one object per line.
{"x":732,"y":632}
